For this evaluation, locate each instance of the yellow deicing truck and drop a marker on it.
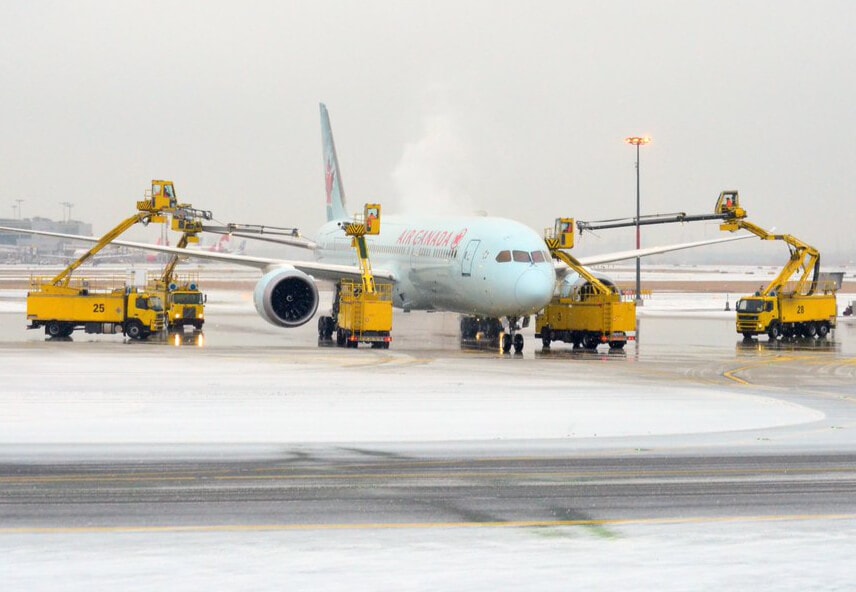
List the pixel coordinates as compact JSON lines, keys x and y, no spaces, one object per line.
{"x":362,"y":310}
{"x":806,"y":307}
{"x":184,"y":302}
{"x":593,"y":312}
{"x":119,"y":310}
{"x":62,"y":306}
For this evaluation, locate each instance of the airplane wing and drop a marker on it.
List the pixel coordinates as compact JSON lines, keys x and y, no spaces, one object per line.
{"x":291,"y":241}
{"x":562,"y":269}
{"x":324,"y":271}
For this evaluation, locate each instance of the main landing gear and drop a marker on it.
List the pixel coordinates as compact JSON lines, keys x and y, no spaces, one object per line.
{"x":489,"y":332}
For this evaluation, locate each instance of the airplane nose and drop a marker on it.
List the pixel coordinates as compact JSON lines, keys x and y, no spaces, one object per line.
{"x":534,"y":289}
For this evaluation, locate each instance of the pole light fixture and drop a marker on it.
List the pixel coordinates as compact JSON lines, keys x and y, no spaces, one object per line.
{"x":638,"y":141}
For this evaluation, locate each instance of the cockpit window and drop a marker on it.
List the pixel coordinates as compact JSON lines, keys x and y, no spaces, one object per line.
{"x":538,"y":257}
{"x":522,"y":257}
{"x":503,"y":257}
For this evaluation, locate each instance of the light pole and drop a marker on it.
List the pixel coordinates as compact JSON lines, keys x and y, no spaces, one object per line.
{"x":638,"y":141}
{"x":66,"y":210}
{"x":20,"y":214}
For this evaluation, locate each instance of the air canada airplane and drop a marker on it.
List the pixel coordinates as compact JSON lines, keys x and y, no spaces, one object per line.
{"x":495,"y":272}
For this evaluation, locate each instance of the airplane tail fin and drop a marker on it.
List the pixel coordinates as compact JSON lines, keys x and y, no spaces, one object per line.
{"x":333,"y":179}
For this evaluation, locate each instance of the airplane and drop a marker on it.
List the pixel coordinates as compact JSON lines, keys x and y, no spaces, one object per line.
{"x":493,"y":271}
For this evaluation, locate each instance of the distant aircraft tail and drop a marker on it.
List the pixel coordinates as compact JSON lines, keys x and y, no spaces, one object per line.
{"x":333,"y":179}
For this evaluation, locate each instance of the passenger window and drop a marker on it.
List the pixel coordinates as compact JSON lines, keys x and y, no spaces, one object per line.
{"x":522,"y":257}
{"x":538,"y":257}
{"x":503,"y":257}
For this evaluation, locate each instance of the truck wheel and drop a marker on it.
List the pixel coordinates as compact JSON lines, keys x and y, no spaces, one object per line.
{"x":67,"y":330}
{"x":591,"y":341}
{"x":54,"y":329}
{"x":546,"y":337}
{"x":518,"y":343}
{"x":340,"y":338}
{"x":811,"y":330}
{"x":823,"y":331}
{"x":616,"y":345}
{"x":774,"y":331}
{"x":134,"y":330}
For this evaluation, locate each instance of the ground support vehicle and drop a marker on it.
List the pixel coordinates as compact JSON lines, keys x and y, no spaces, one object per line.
{"x":592,"y":313}
{"x":362,"y":311}
{"x":787,"y":315}
{"x":61,"y":306}
{"x":184,"y":303}
{"x":120,"y":310}
{"x":805,"y":307}
{"x":363,"y":317}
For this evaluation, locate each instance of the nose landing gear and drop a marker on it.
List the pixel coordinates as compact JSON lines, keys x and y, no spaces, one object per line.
{"x":491,"y":333}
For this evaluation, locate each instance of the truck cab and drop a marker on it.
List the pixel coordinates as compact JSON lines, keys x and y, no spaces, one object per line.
{"x":185,"y":306}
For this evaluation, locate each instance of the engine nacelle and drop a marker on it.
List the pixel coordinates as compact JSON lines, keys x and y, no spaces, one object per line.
{"x":574,"y":284}
{"x":286,"y":297}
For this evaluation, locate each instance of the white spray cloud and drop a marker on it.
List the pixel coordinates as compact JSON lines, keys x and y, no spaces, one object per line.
{"x":433,"y":174}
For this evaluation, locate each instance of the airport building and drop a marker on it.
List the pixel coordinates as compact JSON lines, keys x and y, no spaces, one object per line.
{"x":25,"y":248}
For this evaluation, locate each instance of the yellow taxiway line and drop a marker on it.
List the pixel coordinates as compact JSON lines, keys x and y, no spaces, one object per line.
{"x":422,"y":525}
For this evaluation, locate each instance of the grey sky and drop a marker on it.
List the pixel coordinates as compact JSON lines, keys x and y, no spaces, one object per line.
{"x":515,"y":108}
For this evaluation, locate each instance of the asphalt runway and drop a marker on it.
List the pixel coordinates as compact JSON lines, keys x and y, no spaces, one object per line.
{"x":353,"y":489}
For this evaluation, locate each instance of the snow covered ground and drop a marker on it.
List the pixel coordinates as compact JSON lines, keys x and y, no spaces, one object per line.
{"x":97,"y":398}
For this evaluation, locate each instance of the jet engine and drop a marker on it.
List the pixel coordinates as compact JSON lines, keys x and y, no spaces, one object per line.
{"x":286,"y":297}
{"x":574,"y":284}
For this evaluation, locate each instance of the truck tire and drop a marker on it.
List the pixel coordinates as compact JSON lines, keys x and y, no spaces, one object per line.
{"x":54,"y":329}
{"x":811,"y":330}
{"x":134,"y":330}
{"x":823,"y":330}
{"x":546,"y":337}
{"x":774,"y":331}
{"x":591,"y":341}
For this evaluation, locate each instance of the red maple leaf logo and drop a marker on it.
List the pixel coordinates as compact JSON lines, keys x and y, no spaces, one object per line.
{"x":458,"y":238}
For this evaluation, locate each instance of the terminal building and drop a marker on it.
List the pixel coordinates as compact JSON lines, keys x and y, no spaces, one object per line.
{"x":31,"y":248}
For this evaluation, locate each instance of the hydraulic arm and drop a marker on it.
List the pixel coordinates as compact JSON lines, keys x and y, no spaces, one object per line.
{"x":62,"y":279}
{"x":593,"y":313}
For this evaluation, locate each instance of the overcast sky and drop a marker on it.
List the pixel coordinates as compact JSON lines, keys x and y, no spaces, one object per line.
{"x":518,"y":109}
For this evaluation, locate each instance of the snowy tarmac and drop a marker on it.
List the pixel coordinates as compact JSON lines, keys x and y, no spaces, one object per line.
{"x":138,"y":465}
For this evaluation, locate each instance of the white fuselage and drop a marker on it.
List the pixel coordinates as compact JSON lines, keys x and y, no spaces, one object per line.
{"x":471,"y":265}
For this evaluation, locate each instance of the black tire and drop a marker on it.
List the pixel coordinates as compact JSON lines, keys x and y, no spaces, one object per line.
{"x":616,"y":345}
{"x":591,"y":341}
{"x":340,"y":338}
{"x":546,"y":337}
{"x":67,"y":330}
{"x":774,"y":331}
{"x":518,"y":343}
{"x":747,"y":337}
{"x":322,"y":328}
{"x":811,"y":330}
{"x":134,"y":330}
{"x":54,"y":329}
{"x":823,"y":330}
{"x":505,"y":342}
